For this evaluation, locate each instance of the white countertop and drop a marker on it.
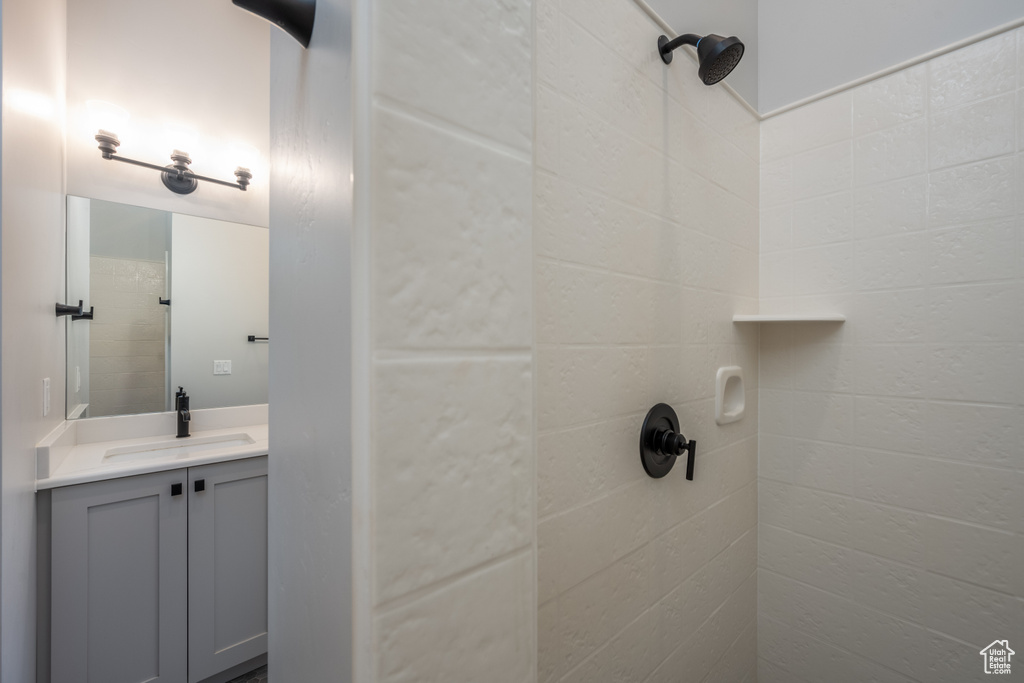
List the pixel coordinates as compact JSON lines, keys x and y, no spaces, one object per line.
{"x":75,"y":452}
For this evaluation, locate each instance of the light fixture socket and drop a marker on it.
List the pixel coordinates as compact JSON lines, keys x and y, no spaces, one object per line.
{"x":108,"y":143}
{"x":179,"y":178}
{"x":243,"y":176}
{"x":181,"y":159}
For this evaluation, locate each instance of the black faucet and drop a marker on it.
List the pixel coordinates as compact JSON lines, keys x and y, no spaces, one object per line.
{"x":181,"y":405}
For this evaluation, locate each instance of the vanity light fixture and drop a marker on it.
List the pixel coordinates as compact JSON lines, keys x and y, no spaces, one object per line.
{"x":176,"y":176}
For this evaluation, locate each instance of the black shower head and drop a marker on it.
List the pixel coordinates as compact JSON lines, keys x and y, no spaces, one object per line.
{"x":716,"y":55}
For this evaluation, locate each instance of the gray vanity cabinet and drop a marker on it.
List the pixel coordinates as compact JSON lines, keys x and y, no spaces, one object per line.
{"x":227,"y":573}
{"x":119,"y":570}
{"x":159,"y":578}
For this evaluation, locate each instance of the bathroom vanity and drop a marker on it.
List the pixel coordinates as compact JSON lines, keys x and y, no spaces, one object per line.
{"x":152,"y":504}
{"x":153,"y":550}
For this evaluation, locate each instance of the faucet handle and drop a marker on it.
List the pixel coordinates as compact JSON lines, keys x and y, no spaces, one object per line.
{"x":691,"y":451}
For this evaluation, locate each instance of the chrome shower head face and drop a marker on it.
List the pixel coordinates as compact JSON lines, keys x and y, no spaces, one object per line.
{"x":718,"y":56}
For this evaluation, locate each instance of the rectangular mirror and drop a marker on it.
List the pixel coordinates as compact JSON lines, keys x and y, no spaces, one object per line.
{"x":175,"y":300}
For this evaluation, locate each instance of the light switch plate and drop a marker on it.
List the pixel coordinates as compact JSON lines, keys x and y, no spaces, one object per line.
{"x":222,"y":367}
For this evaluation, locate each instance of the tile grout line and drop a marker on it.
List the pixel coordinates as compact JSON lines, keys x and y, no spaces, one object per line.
{"x":899,"y":563}
{"x":410,"y":597}
{"x":900,"y":508}
{"x":895,"y":617}
{"x":858,"y":656}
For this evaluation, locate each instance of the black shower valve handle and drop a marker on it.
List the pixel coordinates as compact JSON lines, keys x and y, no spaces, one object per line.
{"x":691,"y":455}
{"x":670,"y":443}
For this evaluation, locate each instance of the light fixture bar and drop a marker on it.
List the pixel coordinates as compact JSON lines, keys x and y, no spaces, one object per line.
{"x":177,"y":177}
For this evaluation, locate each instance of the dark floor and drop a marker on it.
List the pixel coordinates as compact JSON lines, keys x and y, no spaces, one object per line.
{"x":257,"y":676}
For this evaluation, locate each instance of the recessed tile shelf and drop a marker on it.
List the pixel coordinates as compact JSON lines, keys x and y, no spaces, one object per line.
{"x":799,"y":318}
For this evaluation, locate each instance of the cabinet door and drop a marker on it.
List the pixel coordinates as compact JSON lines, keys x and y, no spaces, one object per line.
{"x":227,"y":541}
{"x":120,"y":572}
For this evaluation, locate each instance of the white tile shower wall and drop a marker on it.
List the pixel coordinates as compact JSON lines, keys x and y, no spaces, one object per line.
{"x":452,"y":501}
{"x":645,"y":244}
{"x":891,"y":478}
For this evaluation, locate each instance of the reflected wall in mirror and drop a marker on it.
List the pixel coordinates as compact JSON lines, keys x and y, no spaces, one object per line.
{"x":175,"y":299}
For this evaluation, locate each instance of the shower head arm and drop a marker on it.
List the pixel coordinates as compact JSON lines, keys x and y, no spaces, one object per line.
{"x":685,"y":39}
{"x":666,"y":46}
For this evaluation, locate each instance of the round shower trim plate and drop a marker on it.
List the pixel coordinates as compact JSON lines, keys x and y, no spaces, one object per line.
{"x":659,"y":419}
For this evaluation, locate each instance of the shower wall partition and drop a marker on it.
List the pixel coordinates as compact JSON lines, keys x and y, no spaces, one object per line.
{"x":891,"y":485}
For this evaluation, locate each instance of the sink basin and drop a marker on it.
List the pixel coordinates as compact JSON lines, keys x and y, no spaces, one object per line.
{"x":175,"y":448}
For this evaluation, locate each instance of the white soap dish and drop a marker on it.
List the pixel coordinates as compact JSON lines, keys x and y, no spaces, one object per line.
{"x":730,"y":397}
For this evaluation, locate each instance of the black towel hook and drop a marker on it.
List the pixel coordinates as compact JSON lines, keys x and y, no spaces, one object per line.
{"x":70,"y":309}
{"x":84,"y":316}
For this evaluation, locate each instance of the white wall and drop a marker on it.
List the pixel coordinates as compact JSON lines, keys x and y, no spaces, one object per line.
{"x":310,"y":603}
{"x":891,"y":488}
{"x":32,"y":282}
{"x":195,"y":64}
{"x":219,"y":296}
{"x":809,"y":46}
{"x":646,"y":242}
{"x":725,"y":17}
{"x":452,"y":457}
